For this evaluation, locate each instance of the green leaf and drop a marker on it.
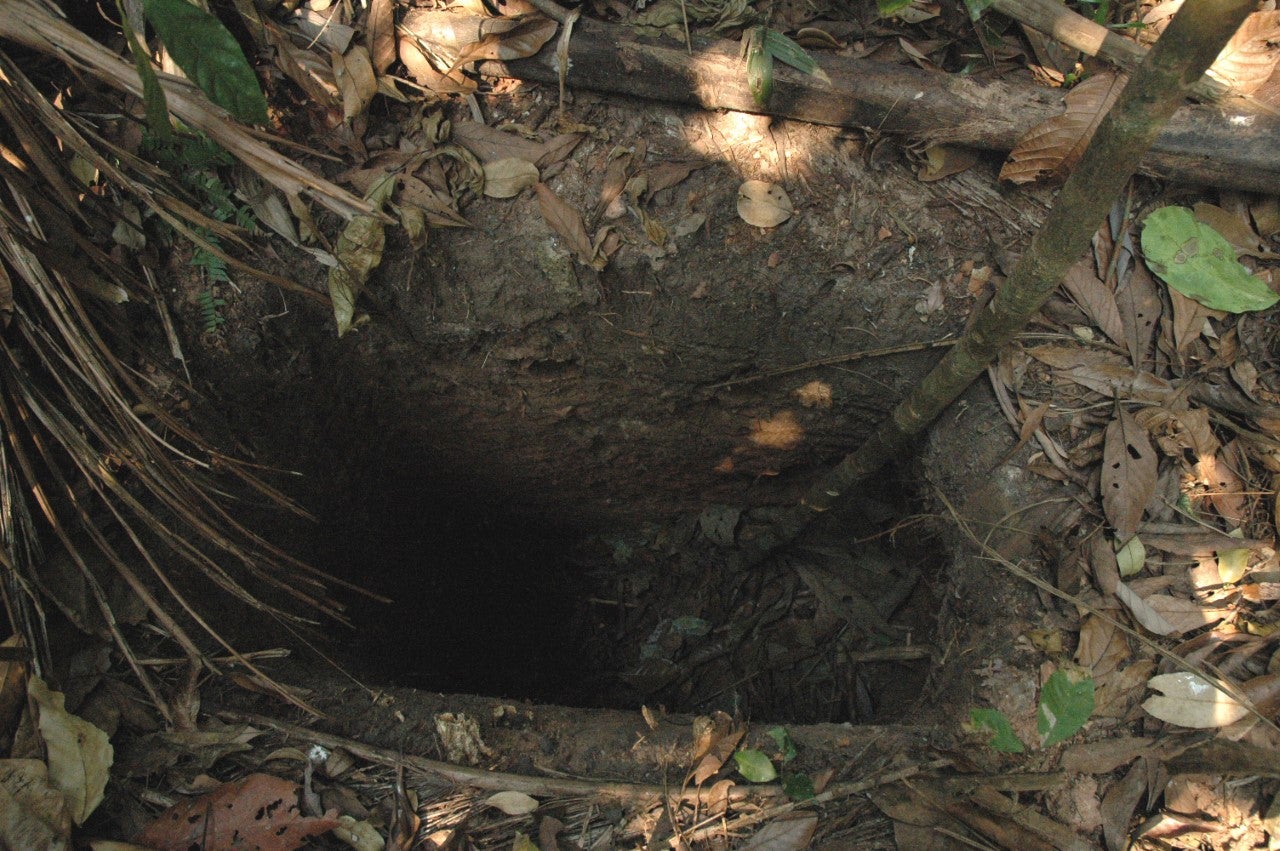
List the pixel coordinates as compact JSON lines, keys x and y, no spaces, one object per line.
{"x":783,"y":739}
{"x":207,"y":53}
{"x":755,"y":766}
{"x":1198,"y":262}
{"x":1066,"y":701}
{"x":691,"y":625}
{"x":153,"y":99}
{"x":785,"y":50}
{"x":977,"y":7}
{"x":889,"y":7}
{"x":759,"y":66}
{"x":1005,"y":740}
{"x":798,"y":787}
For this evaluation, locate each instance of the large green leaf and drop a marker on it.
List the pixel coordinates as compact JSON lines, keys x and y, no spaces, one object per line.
{"x":207,"y":53}
{"x":1066,"y":702}
{"x":1198,"y":262}
{"x":755,"y":766}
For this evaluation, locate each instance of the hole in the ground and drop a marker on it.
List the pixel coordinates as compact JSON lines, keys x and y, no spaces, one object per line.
{"x":494,"y":602}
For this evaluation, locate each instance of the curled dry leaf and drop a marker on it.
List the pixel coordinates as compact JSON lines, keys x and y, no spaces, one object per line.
{"x":380,"y":33}
{"x":763,"y":205}
{"x":509,"y":177}
{"x":1189,"y":700}
{"x":945,"y":160}
{"x":1052,"y":148}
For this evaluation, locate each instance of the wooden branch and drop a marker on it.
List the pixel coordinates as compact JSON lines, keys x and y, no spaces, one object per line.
{"x":1213,"y":145}
{"x":1074,"y":30}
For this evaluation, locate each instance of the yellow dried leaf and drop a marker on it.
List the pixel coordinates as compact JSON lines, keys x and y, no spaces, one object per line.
{"x":815,"y":394}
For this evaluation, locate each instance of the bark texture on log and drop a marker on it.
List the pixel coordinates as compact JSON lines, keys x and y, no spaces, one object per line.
{"x":1212,"y":145}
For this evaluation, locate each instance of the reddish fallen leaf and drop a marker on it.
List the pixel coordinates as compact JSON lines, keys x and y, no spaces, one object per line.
{"x":1051,"y":149}
{"x":260,"y":812}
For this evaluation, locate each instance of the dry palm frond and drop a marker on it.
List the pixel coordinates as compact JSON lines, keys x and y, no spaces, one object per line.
{"x":110,"y":474}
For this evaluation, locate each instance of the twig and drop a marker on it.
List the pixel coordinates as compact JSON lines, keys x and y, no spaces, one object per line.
{"x":499,"y":780}
{"x":834,"y":359}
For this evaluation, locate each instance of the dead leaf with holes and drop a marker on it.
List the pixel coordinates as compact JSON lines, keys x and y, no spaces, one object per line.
{"x":781,"y":431}
{"x":763,"y":205}
{"x":1051,"y":149}
{"x":1128,"y":474}
{"x":1138,"y":300}
{"x":261,"y":811}
{"x":1096,"y":300}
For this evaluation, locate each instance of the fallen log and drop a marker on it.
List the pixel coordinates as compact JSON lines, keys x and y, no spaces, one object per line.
{"x":1211,"y":145}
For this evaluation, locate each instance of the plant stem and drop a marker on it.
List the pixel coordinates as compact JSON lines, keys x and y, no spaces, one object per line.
{"x":1192,"y":41}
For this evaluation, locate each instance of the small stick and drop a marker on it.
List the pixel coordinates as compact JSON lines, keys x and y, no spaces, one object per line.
{"x":834,"y":359}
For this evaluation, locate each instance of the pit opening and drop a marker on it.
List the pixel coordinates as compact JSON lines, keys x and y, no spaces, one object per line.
{"x":489,"y":599}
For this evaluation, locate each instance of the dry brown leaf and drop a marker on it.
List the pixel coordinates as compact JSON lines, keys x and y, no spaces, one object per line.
{"x":945,"y":160}
{"x":1105,"y":756}
{"x":1184,"y":615}
{"x":763,"y":205}
{"x":1189,"y":317}
{"x":716,"y":738}
{"x":1096,"y":300}
{"x":354,"y":75}
{"x":1264,"y":693}
{"x":567,"y":222}
{"x":1177,"y":431}
{"x":1103,"y":564}
{"x":793,"y":833}
{"x":1118,"y":806}
{"x":438,"y":208}
{"x":781,"y":431}
{"x":509,"y":38}
{"x":1226,"y":489}
{"x":508,"y":178}
{"x":419,"y":65}
{"x":1052,"y":148}
{"x":1233,"y":228}
{"x":666,"y":174}
{"x":1138,"y":300}
{"x":1142,"y":611}
{"x":1265,"y":211}
{"x":1251,"y":56}
{"x":380,"y":34}
{"x":1128,"y":474}
{"x":306,"y":68}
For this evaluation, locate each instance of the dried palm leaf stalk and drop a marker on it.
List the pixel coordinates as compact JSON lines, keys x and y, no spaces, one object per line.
{"x":86,"y":453}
